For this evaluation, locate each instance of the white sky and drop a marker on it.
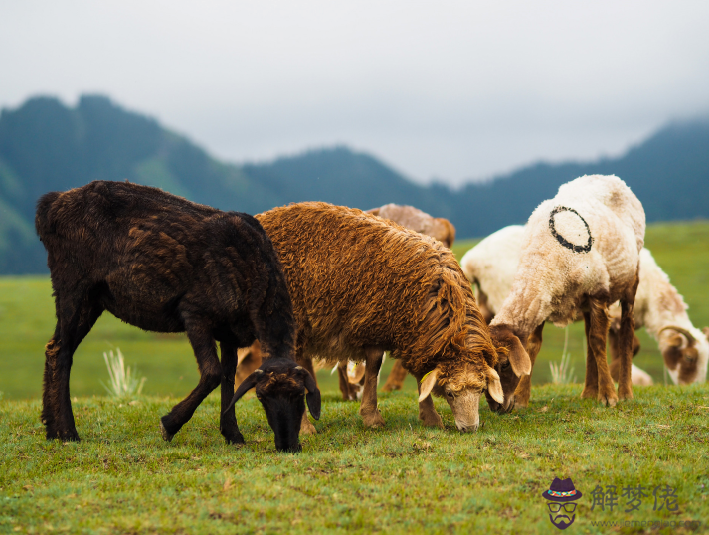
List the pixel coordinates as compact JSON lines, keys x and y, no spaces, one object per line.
{"x":454,"y":90}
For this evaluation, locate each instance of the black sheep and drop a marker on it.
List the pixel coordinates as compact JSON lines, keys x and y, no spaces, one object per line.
{"x":165,"y":264}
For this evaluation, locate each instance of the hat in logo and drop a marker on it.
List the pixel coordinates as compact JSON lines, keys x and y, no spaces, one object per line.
{"x":562,"y":490}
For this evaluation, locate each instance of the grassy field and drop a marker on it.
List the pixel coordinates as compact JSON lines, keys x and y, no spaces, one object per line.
{"x":122,"y":478}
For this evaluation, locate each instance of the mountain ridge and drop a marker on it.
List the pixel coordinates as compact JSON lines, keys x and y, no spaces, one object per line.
{"x":45,"y":146}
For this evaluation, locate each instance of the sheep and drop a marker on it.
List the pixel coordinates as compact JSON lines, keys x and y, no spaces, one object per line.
{"x":351,"y":382}
{"x":164,"y":264}
{"x":491,"y":266}
{"x":361,"y":286}
{"x":418,"y":220}
{"x":580,"y":252}
{"x":660,"y":308}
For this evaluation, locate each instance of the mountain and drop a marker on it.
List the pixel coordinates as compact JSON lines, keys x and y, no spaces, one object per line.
{"x":668,"y":172}
{"x":47,"y":146}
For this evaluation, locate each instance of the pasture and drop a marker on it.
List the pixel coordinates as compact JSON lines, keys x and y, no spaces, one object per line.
{"x":123,"y":478}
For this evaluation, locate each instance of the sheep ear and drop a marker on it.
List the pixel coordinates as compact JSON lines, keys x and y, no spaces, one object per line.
{"x":451,"y":231}
{"x":427,"y":383}
{"x":494,"y":387}
{"x":519,"y":358}
{"x":312,"y":397}
{"x":244,"y":387}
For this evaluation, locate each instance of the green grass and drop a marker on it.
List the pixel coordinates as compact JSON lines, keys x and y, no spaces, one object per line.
{"x":122,"y":478}
{"x":27,"y":321}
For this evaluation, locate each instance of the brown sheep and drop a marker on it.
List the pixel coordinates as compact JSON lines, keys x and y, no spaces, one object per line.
{"x":361,"y":285}
{"x":351,"y":385}
{"x":164,"y":264}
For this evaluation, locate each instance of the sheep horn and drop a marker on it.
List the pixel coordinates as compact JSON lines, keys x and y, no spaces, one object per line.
{"x":690,"y":337}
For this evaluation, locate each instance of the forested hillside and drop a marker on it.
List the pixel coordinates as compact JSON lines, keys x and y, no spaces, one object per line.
{"x":46,"y":146}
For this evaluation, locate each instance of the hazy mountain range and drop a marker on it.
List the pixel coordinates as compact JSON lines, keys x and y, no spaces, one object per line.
{"x":45,"y":146}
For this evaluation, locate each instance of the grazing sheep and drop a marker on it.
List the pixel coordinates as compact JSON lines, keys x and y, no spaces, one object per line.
{"x":164,"y":264}
{"x":491,"y":266}
{"x":352,"y":382}
{"x":580,"y":252}
{"x":361,"y":286}
{"x":660,"y":308}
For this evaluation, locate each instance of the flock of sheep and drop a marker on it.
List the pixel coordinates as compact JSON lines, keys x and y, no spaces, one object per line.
{"x":312,"y":284}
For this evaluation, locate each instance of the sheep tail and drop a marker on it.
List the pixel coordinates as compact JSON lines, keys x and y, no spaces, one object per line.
{"x":43,"y":223}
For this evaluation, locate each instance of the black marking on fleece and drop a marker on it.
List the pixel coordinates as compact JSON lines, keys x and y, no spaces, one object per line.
{"x":575,"y":248}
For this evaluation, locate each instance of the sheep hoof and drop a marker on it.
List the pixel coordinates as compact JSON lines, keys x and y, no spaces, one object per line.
{"x":373,"y":420}
{"x":70,"y":436}
{"x":167,"y":437}
{"x":236,"y":440}
{"x":622,"y":396}
{"x":609,"y":400}
{"x":518,"y":404}
{"x":590,"y":394}
{"x":432,"y":420}
{"x":307,"y":428}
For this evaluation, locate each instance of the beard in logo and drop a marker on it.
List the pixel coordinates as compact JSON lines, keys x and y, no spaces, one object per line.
{"x":559,"y":522}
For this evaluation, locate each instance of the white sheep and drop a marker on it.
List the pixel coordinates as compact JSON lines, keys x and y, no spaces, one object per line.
{"x":660,"y":308}
{"x":491,"y":266}
{"x":580,"y":252}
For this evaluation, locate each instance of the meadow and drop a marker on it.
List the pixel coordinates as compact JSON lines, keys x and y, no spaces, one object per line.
{"x":122,"y":478}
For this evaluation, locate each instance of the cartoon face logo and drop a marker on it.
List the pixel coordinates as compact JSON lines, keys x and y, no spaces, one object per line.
{"x":561,"y":494}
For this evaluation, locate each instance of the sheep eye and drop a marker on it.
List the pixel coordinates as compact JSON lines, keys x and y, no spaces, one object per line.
{"x":449,"y":394}
{"x":505,"y":365}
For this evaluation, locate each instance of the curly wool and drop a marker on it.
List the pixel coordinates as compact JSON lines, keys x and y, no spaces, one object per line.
{"x":356,"y":280}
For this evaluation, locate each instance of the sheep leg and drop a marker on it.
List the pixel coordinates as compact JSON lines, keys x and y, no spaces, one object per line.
{"x":210,"y":371}
{"x":49,"y":408}
{"x":590,"y":389}
{"x":250,"y":362}
{"x":306,"y":427}
{"x":625,"y":342}
{"x":74,"y":323}
{"x":613,"y":344}
{"x":524,"y":388}
{"x":347,"y":389}
{"x":597,"y":336}
{"x":227,"y":422}
{"x":427,"y":410}
{"x":368,"y":409}
{"x":615,"y":352}
{"x":395,"y":381}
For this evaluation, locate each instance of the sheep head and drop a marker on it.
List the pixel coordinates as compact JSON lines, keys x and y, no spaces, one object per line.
{"x":280,"y":385}
{"x":685,"y":353}
{"x":462,"y":384}
{"x":512,"y":364}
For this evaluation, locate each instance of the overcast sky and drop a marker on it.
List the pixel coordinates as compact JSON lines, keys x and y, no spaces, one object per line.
{"x":453,"y":90}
